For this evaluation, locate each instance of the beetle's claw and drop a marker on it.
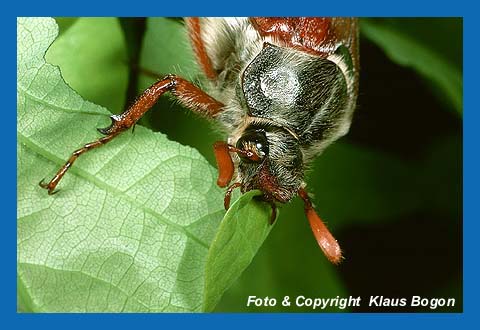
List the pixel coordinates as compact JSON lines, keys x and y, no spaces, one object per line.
{"x":109,"y":129}
{"x":273,"y":217}
{"x":51,"y":190}
{"x":228,"y":194}
{"x":42,"y":184}
{"x":226,"y":202}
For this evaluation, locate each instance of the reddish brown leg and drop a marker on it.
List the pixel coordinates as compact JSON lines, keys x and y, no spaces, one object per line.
{"x":224,"y":161}
{"x":53,"y":183}
{"x":228,"y":194}
{"x":274,"y":213}
{"x":188,"y":94}
{"x":325,"y":239}
{"x":194,"y":31}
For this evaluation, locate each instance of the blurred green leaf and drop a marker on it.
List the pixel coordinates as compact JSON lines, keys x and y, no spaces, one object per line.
{"x":405,"y":49}
{"x":352,"y":183}
{"x":238,"y":239}
{"x":64,"y":23}
{"x":131,"y":228}
{"x":93,"y":58}
{"x":166,"y":49}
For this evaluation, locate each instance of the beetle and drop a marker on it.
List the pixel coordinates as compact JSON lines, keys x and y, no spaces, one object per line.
{"x":283,"y":89}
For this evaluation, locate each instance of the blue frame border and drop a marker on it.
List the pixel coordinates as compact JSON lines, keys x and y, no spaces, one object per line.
{"x":246,"y":7}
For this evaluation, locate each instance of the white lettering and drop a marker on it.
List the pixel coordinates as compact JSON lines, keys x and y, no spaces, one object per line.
{"x":254,"y":300}
{"x":432,"y":303}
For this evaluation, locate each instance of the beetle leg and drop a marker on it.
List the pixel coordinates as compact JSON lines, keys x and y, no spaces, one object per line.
{"x":228,"y":194}
{"x":188,"y":94}
{"x":274,"y":212}
{"x":61,"y":172}
{"x":195,"y":33}
{"x":325,"y":239}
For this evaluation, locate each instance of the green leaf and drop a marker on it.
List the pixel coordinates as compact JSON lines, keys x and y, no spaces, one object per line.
{"x":93,"y":59}
{"x":64,"y":23}
{"x":239,"y":237}
{"x":290,"y":263}
{"x":406,"y":50}
{"x":131,"y":227}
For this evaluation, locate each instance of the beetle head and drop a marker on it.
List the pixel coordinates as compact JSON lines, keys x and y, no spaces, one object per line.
{"x":278,"y":170}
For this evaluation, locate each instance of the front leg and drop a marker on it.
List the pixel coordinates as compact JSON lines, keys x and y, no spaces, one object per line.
{"x":187,"y":93}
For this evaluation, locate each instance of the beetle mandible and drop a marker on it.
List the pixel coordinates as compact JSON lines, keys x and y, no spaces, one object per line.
{"x":283,"y":89}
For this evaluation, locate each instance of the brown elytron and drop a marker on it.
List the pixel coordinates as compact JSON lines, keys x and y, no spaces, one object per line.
{"x":283,"y":89}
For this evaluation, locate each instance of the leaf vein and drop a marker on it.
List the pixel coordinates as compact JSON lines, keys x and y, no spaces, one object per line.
{"x":108,"y":188}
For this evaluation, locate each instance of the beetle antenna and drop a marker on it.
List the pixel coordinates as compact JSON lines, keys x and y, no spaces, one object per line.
{"x":325,"y":239}
{"x":225,"y":163}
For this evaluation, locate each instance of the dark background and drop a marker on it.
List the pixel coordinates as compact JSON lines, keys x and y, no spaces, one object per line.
{"x":420,"y":252}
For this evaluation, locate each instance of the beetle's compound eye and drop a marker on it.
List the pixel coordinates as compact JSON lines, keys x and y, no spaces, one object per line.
{"x":254,"y":141}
